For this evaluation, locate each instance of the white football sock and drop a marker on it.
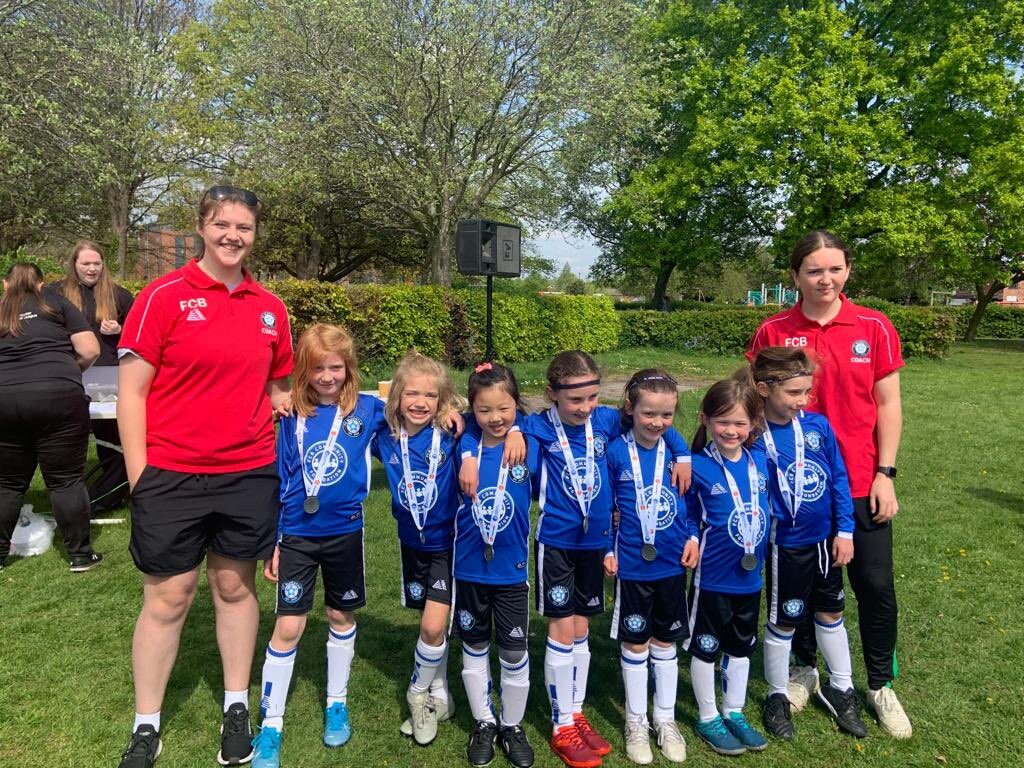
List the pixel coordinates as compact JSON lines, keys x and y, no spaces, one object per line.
{"x":235,"y":697}
{"x":515,"y":687}
{"x":665,"y":666}
{"x":426,"y":661}
{"x":341,"y":647}
{"x":835,"y":647}
{"x":580,"y":671}
{"x":702,"y":678}
{"x":277,"y":676}
{"x":476,"y":677}
{"x":141,"y":719}
{"x":439,"y":685}
{"x":558,"y":663}
{"x":634,"y":680}
{"x":778,"y":643}
{"x":735,"y":672}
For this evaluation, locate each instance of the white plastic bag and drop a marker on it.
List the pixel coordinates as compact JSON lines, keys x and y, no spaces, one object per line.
{"x":33,"y":534}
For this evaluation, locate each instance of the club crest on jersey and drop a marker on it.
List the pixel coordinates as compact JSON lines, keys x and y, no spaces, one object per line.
{"x":520,"y":473}
{"x":815,"y":479}
{"x":466,"y":620}
{"x":558,"y":595}
{"x":483,"y":510}
{"x":599,"y":445}
{"x":269,"y":323}
{"x":291,"y":591}
{"x":415,"y":590}
{"x":707,"y":643}
{"x":353,"y":426}
{"x":337,"y":462}
{"x":734,"y":525}
{"x":635,"y":622}
{"x":589,"y":493}
{"x":861,"y":349}
{"x":793,"y":608}
{"x":813,"y":440}
{"x":666,"y":506}
{"x":419,"y":487}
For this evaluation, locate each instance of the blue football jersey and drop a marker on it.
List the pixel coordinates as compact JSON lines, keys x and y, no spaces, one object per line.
{"x":441,"y":505}
{"x":673,"y":528}
{"x":347,"y":478}
{"x":511,"y":551}
{"x":710,"y":506}
{"x":827,"y":506}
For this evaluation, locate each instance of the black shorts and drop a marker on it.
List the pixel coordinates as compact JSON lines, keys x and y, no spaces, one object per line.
{"x":800,"y":581}
{"x":508,"y":605}
{"x":339,"y":558}
{"x":722,"y":623}
{"x":425,"y":576}
{"x":646,"y":609}
{"x":176,"y":516}
{"x":570,"y":582}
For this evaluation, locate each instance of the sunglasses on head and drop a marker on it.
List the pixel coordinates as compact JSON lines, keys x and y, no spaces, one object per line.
{"x":223,"y":192}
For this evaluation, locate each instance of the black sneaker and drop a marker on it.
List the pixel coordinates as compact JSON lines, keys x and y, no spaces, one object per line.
{"x":143,"y":749}
{"x":845,"y":708}
{"x":83,"y":563}
{"x":480,"y":749}
{"x":512,"y":740}
{"x":778,"y":718}
{"x":235,"y":736}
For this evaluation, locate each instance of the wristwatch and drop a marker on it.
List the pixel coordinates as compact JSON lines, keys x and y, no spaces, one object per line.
{"x":889,"y":472}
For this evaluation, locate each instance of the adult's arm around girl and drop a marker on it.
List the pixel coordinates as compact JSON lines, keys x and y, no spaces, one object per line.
{"x":134,"y":377}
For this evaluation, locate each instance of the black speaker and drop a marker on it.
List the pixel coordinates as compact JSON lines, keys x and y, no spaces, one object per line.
{"x":485,"y":247}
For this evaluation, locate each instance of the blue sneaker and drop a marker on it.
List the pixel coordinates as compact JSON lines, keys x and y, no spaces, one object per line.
{"x":337,"y":730}
{"x":744,"y":731}
{"x":720,"y":738}
{"x":267,"y":748}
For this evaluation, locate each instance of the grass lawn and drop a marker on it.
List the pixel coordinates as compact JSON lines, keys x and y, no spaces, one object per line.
{"x":65,"y":685}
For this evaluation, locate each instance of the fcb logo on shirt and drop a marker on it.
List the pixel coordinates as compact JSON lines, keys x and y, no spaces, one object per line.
{"x":520,"y":473}
{"x":353,"y":426}
{"x":861,"y":349}
{"x":813,"y":440}
{"x":599,"y":445}
{"x":269,"y":323}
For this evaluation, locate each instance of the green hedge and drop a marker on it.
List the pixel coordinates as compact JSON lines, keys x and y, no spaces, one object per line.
{"x":997,"y":322}
{"x":924,"y":332}
{"x":449,"y":325}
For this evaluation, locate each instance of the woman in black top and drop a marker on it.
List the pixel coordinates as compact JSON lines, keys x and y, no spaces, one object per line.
{"x":45,"y":344}
{"x":105,"y":304}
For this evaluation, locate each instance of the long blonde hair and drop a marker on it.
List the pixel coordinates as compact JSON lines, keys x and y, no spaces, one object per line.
{"x":317,"y":342}
{"x":415,"y":364}
{"x":103,"y":291}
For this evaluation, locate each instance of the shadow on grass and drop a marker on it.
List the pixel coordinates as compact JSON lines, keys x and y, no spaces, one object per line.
{"x":1011,"y":501}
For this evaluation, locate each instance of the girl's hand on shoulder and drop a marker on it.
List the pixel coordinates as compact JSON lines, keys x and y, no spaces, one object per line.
{"x":456,"y":423}
{"x":515,"y":449}
{"x":691,"y":552}
{"x":469,"y":477}
{"x":842,"y":552}
{"x":270,"y":566}
{"x":682,"y":474}
{"x":611,"y":565}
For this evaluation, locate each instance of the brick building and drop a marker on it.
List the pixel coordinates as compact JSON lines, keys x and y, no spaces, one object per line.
{"x":163,"y":249}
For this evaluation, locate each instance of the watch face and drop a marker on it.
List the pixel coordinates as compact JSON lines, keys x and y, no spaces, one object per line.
{"x":888,"y":471}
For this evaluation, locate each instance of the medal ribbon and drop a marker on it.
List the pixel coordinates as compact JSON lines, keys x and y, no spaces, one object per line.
{"x":793,"y":498}
{"x":750,"y":527}
{"x":570,"y":462}
{"x":419,"y":511}
{"x":648,"y":513}
{"x":489,"y":530}
{"x":312,"y":489}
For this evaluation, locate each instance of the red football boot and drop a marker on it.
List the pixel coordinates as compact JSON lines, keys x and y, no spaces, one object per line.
{"x":590,"y":737}
{"x":570,"y":748}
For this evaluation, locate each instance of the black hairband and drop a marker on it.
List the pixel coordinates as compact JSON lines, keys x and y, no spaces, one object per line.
{"x":658,"y":377}
{"x":780,"y":379}
{"x":589,"y":383}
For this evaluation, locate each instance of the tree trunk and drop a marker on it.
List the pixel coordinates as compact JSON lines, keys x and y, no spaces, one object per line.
{"x":984,"y":298}
{"x":664,"y":273}
{"x":308,"y":263}
{"x":119,"y":207}
{"x":442,"y":246}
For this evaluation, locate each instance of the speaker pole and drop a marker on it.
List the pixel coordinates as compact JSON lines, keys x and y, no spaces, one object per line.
{"x":490,"y":296}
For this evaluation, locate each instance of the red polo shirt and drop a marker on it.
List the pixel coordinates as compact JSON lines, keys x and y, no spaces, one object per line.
{"x":214,"y":352}
{"x":854,"y":350}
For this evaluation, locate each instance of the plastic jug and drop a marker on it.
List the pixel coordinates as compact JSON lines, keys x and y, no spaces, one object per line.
{"x":33,"y":534}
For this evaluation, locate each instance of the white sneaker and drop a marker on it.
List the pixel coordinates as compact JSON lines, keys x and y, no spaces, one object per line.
{"x":803,"y":684}
{"x":671,"y":741}
{"x":444,"y":707}
{"x":638,"y":742}
{"x":423,"y":716}
{"x":891,"y":716}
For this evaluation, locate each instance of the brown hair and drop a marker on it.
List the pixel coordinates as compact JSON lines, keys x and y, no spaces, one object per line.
{"x":570,"y":364}
{"x":103,"y":291}
{"x":773,"y":365}
{"x":317,"y":342}
{"x":415,"y":364}
{"x":647,"y":380}
{"x":722,"y":397}
{"x":23,"y":280}
{"x":814,"y":241}
{"x":219,"y":194}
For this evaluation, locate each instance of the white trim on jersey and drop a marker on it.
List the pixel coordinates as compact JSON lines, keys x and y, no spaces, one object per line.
{"x":692,"y":607}
{"x":542,"y":497}
{"x":401,"y":575}
{"x":540,"y":574}
{"x":773,"y":604}
{"x":885,"y":332}
{"x":615,"y":610}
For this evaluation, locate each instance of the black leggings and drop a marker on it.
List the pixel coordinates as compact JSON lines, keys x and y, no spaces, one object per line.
{"x":48,"y":428}
{"x":871,"y":576}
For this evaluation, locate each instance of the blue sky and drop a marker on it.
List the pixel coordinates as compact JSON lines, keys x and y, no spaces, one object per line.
{"x":564,"y":248}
